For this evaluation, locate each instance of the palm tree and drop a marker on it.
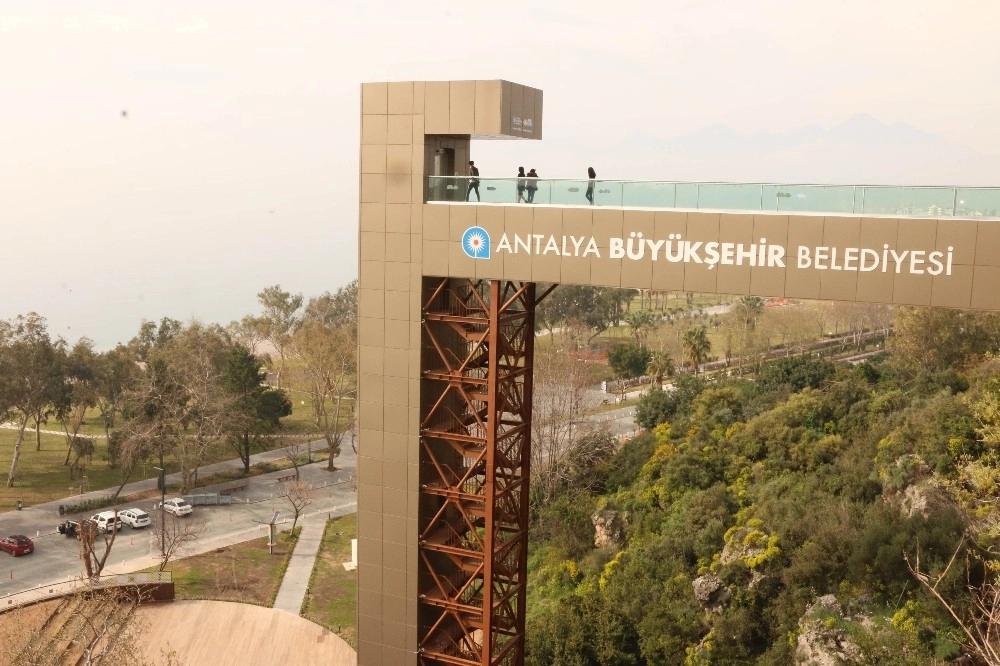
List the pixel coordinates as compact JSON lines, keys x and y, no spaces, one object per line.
{"x":697,"y":346}
{"x":660,"y":364}
{"x":640,"y":323}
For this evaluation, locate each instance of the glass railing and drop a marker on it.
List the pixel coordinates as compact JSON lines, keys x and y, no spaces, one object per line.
{"x":771,"y":197}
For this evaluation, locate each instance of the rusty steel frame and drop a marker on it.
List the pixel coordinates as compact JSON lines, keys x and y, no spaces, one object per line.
{"x":475,"y":453}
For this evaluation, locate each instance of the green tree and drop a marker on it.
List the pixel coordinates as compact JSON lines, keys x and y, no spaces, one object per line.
{"x":660,"y":365}
{"x":640,"y":324}
{"x":628,"y":361}
{"x":279,"y":320}
{"x":31,"y":374}
{"x":257,"y":407}
{"x":339,"y":308}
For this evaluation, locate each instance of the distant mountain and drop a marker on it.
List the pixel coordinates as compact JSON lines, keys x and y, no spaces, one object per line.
{"x":860,"y":150}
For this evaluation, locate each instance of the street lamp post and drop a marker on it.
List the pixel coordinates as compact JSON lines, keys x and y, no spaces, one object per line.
{"x":161,"y":481}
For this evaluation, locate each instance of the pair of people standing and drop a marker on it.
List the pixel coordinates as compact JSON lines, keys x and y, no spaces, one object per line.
{"x":526,"y":182}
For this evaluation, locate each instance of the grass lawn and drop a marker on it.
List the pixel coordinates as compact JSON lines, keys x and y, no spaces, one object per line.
{"x":333,"y":592}
{"x":244,"y":572}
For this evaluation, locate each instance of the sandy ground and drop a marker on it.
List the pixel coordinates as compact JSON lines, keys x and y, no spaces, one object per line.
{"x":220,"y":633}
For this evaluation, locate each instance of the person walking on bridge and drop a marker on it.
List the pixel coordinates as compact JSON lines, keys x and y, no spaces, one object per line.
{"x":473,"y":181}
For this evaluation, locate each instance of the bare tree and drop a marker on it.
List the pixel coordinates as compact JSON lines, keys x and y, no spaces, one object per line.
{"x":95,"y":547}
{"x":176,"y":536}
{"x":977,"y":612}
{"x":279,"y":320}
{"x":558,"y":405}
{"x":298,"y":496}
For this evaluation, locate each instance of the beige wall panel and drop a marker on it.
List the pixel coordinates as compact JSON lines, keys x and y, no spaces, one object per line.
{"x":418,"y":136}
{"x":459,"y":263}
{"x":397,"y":276}
{"x":371,"y":303}
{"x":878,"y":231}
{"x":630,"y":274}
{"x":985,"y":294}
{"x":702,"y":227}
{"x":371,"y":413}
{"x":373,"y":129}
{"x":612,"y":273}
{"x":397,"y":363}
{"x":400,"y":98}
{"x":397,"y":218}
{"x":843,"y":231}
{"x":462,"y":110}
{"x":643,"y":221}
{"x":574,"y":270}
{"x":700,"y":279}
{"x":546,"y":271}
{"x":988,"y":245}
{"x":370,"y":517}
{"x":488,"y":107}
{"x":394,"y":531}
{"x":733,"y":279}
{"x":917,"y":234}
{"x":372,"y":330}
{"x":417,"y":188}
{"x":370,"y":654}
{"x":372,"y":246}
{"x":492,"y":269}
{"x":399,"y":160}
{"x":517,"y":267}
{"x":519,"y":220}
{"x":437,"y":223}
{"x":373,"y":442}
{"x":416,"y":249}
{"x":399,"y":130}
{"x":416,"y":217}
{"x":955,"y":290}
{"x":911,"y":289}
{"x":370,"y":627}
{"x":539,"y":109}
{"x":516,"y":111}
{"x":669,"y":222}
{"x":505,"y":90}
{"x":461,"y":218}
{"x":394,"y":447}
{"x":772,"y":228}
{"x":394,"y":558}
{"x":372,"y":217}
{"x":370,"y":470}
{"x":373,"y":188}
{"x":417,"y":168}
{"x":436,"y":257}
{"x":801,"y":282}
{"x":550,"y":221}
{"x":373,"y":159}
{"x":394,"y":504}
{"x":875,"y":286}
{"x":803,"y":230}
{"x":491,"y":218}
{"x":668,"y":276}
{"x":961,"y":236}
{"x":371,"y":274}
{"x":769,"y":282}
{"x":374,"y":98}
{"x":527,"y":112}
{"x":418,"y":97}
{"x":736,"y":229}
{"x":369,"y":603}
{"x":398,"y":188}
{"x":397,"y":247}
{"x":371,"y":359}
{"x":436,"y":107}
{"x":371,"y":387}
{"x":838,"y":285}
{"x":607,"y":223}
{"x":397,"y":307}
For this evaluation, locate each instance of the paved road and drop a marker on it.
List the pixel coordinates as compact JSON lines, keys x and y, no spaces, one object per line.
{"x":56,"y":558}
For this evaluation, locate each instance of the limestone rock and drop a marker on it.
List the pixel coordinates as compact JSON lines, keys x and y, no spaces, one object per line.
{"x":609,"y":528}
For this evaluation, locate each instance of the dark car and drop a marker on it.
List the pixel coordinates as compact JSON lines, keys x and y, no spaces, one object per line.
{"x":17,"y":544}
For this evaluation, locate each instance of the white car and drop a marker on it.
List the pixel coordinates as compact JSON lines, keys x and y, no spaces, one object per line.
{"x":106,"y":521}
{"x":177,"y":506}
{"x":135,"y":518}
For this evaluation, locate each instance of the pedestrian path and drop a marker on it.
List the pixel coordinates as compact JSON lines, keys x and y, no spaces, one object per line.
{"x":294,"y":585}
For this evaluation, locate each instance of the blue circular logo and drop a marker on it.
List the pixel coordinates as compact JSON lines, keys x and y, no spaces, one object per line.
{"x":476,"y":243}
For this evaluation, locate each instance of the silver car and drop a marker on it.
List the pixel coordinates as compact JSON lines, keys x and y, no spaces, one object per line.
{"x":135,"y":518}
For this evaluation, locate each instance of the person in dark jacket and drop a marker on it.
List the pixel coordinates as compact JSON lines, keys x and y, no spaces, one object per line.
{"x":520,"y":184}
{"x":592,"y":175}
{"x":473,"y":181}
{"x":532,"y":185}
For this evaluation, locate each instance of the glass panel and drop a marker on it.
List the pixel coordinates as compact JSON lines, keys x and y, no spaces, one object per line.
{"x":815,"y":198}
{"x":687,"y":195}
{"x":648,"y":195}
{"x":882,"y":200}
{"x":933,"y":201}
{"x":729,"y":196}
{"x":977,"y":202}
{"x":609,"y":193}
{"x":497,"y":190}
{"x":569,"y":192}
{"x":769,"y":197}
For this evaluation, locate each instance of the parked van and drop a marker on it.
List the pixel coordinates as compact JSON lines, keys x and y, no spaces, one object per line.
{"x":134,"y":517}
{"x":107,"y":521}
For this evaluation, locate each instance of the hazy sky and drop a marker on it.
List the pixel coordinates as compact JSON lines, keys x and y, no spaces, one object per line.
{"x":235,"y":166}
